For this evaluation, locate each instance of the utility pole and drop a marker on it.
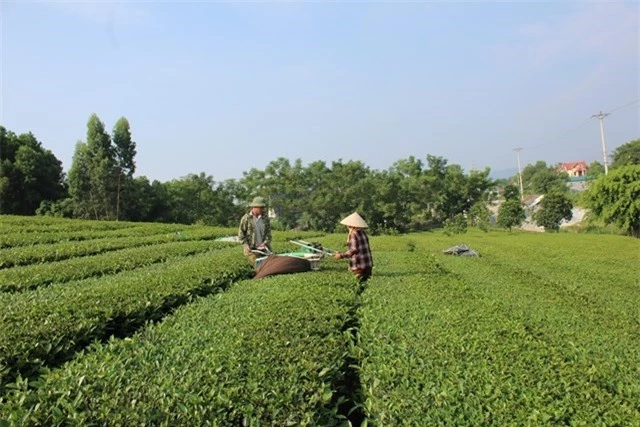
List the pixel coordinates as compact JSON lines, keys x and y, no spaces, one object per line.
{"x":601,"y":116}
{"x":517,"y":150}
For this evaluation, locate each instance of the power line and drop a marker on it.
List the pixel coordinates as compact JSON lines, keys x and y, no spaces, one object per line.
{"x":624,"y":106}
{"x":552,"y":141}
{"x":586,"y":121}
{"x":600,"y":116}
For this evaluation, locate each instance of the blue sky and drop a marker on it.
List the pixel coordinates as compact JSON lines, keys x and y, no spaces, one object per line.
{"x":221,"y":87}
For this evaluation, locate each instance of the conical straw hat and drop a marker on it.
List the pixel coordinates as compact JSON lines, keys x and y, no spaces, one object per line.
{"x":354,"y":220}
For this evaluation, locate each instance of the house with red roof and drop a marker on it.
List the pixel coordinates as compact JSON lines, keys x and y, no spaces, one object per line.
{"x":575,"y":168}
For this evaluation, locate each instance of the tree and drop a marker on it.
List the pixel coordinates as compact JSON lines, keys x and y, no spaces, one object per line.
{"x":541,"y":179}
{"x":511,"y":192}
{"x":479,"y":216}
{"x":554,"y":208}
{"x":196,"y":199}
{"x":627,"y":154}
{"x":410,"y":184}
{"x":615,"y":198}
{"x":101,"y":168}
{"x":125,"y":152}
{"x":511,"y":214}
{"x":80,"y":182}
{"x":142,"y":201}
{"x":455,"y":225}
{"x":29,"y":174}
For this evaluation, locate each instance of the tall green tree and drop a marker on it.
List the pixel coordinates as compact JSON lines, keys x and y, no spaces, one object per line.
{"x":102,"y":171}
{"x":80,"y":182}
{"x":436,"y":176}
{"x":615,"y":198}
{"x":29,"y":174}
{"x":124,"y":157}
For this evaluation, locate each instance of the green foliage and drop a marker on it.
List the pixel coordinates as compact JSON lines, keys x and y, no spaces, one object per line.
{"x":521,"y":336}
{"x":124,"y":154}
{"x":49,"y":325}
{"x":101,"y":170}
{"x":455,"y":225}
{"x":615,"y":198}
{"x":511,"y":192}
{"x":533,"y":332}
{"x":626,"y":154}
{"x":80,"y":182}
{"x":264,"y":353}
{"x":511,"y":214}
{"x":195,"y":198}
{"x":24,"y":255}
{"x":29,"y":174}
{"x":540,"y":179}
{"x":553,"y":209}
{"x":60,"y":209}
{"x":479,"y":216}
{"x":33,"y":276}
{"x":58,"y":230}
{"x":407,"y":196}
{"x":595,"y":169}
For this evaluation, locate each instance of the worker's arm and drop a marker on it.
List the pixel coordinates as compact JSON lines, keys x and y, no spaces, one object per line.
{"x":242,"y":231}
{"x":352,"y":250}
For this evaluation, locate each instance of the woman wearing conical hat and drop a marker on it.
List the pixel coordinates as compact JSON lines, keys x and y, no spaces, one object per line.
{"x":359,"y":251}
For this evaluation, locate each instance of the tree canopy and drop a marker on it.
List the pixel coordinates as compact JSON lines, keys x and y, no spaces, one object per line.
{"x":29,"y":174}
{"x":542,"y":179}
{"x":626,"y":154}
{"x":554,"y":208}
{"x":615,"y":198}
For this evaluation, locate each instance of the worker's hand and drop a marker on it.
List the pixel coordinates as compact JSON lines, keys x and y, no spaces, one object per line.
{"x":337,"y":255}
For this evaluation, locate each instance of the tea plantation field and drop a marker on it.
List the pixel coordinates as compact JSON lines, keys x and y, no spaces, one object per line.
{"x":116,"y":323}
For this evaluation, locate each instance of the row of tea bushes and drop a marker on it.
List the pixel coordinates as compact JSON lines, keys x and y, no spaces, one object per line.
{"x":267,"y":352}
{"x":46,"y":326}
{"x":42,"y":253}
{"x":29,"y":224}
{"x":38,"y":275}
{"x":26,"y":236}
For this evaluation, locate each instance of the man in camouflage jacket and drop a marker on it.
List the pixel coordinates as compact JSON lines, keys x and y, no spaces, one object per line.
{"x":255,"y":229}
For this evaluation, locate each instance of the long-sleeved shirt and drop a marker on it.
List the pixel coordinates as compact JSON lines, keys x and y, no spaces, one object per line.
{"x":359,"y":252}
{"x":255,"y":231}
